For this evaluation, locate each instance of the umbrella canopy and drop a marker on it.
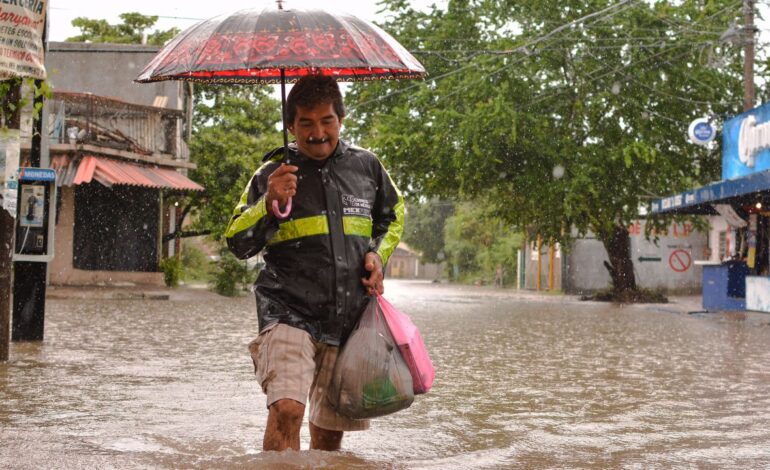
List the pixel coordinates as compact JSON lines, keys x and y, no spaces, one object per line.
{"x":259,"y":46}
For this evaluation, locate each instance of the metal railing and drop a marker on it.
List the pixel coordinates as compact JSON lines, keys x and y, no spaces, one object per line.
{"x":84,"y":118}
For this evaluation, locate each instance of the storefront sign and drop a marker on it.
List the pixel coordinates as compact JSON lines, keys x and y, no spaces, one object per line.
{"x":21,"y":38}
{"x":746,"y":144}
{"x":701,"y":131}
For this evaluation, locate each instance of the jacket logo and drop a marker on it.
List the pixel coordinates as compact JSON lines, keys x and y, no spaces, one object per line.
{"x":352,"y":205}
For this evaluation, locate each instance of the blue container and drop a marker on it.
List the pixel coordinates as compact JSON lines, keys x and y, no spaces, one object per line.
{"x":724,"y":286}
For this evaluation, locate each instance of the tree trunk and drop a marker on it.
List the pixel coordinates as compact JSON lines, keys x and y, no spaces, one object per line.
{"x":618,"y":245}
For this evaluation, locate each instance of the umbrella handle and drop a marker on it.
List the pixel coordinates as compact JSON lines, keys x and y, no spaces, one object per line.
{"x":277,"y":209}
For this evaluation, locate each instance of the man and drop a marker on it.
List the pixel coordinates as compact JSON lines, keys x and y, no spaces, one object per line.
{"x":321,"y":263}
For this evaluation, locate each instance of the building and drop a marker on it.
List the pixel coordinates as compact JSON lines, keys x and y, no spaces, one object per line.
{"x":120,"y":151}
{"x":404,"y":263}
{"x":737,"y":274}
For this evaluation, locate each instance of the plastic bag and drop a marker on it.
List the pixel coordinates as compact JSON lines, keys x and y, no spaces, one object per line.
{"x":370,"y":377}
{"x":410,"y":343}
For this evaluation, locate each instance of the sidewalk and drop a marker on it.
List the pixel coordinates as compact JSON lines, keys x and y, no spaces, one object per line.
{"x":194,"y":292}
{"x":130,"y":291}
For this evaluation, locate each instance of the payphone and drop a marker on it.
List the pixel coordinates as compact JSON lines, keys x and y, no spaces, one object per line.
{"x":35,"y":215}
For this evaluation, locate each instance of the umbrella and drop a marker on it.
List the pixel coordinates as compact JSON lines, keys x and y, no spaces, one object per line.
{"x":280,"y":45}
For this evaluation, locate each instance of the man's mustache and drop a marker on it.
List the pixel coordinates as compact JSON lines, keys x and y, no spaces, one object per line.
{"x":314,"y":141}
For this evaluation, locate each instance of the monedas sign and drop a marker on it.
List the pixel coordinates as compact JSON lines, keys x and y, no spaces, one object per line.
{"x":746,"y":144}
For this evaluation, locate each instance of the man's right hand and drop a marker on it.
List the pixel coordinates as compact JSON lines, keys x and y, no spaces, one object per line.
{"x":281,"y":185}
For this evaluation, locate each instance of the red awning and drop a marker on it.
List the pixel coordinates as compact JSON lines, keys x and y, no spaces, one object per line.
{"x":111,"y":172}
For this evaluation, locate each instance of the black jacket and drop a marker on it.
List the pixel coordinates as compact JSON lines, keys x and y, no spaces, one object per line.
{"x":314,"y":260}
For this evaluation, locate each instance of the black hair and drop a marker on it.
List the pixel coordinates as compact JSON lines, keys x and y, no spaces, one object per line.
{"x":312,"y":90}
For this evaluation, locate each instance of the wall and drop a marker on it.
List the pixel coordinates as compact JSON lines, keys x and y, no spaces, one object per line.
{"x":669,"y":265}
{"x":61,"y":271}
{"x":107,"y":70}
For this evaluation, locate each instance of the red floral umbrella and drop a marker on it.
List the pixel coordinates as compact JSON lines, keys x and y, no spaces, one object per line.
{"x":258,"y":46}
{"x":281,"y":45}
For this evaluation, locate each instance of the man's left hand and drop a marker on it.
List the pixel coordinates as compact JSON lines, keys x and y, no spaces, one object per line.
{"x":373,"y":264}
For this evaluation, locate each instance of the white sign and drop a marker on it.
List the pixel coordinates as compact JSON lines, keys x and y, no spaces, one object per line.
{"x":701,"y":131}
{"x":9,"y":154}
{"x":21,"y":38}
{"x":732,"y":217}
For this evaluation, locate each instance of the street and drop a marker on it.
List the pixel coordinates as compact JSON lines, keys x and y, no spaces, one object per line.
{"x":523,"y":381}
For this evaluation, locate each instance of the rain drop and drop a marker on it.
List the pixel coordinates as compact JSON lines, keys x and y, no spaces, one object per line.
{"x":615,"y":88}
{"x":558,"y":172}
{"x":144,"y":226}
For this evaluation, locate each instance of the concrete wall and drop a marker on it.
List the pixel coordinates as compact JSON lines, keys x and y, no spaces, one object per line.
{"x":61,"y":270}
{"x":107,"y":70}
{"x":669,"y":265}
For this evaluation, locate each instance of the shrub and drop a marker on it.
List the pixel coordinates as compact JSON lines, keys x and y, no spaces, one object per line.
{"x":172,"y":271}
{"x":230,"y":275}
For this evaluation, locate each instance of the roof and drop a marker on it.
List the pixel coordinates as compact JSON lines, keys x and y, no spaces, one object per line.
{"x":112,"y":172}
{"x":743,"y":191}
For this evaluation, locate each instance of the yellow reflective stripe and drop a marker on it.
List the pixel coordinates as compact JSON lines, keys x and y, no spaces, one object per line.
{"x":359,"y":226}
{"x":395,"y":229}
{"x":246,"y":218}
{"x":299,"y":228}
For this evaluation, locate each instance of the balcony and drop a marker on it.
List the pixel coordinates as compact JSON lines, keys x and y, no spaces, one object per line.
{"x":110,"y":126}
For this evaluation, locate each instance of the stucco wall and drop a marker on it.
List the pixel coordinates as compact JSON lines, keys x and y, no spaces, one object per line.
{"x":669,"y":264}
{"x":107,"y":70}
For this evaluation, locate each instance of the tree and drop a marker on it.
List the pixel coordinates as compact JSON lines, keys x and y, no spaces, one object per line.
{"x":130,"y":31}
{"x":424,"y":230}
{"x":233,"y":127}
{"x":555,"y":114}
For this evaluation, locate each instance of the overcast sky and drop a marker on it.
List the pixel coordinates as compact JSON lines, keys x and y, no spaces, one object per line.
{"x":179,"y":13}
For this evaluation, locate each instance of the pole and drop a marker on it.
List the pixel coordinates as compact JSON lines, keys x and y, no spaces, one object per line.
{"x":7,"y":223}
{"x":29,"y":280}
{"x":748,"y":56}
{"x":538,"y":282}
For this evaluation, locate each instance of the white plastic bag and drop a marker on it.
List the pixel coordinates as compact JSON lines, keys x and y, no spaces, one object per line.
{"x":370,"y":377}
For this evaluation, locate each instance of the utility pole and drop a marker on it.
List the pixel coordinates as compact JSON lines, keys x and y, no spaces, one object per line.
{"x":748,"y":55}
{"x":12,"y":113}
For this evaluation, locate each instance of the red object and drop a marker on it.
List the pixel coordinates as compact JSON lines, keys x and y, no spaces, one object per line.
{"x":111,"y":172}
{"x":254,"y":46}
{"x":409,"y":341}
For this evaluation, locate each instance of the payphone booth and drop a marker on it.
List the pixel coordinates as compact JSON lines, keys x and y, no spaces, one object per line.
{"x":35,"y":215}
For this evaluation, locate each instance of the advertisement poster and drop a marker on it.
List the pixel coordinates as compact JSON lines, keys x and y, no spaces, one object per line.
{"x":9,"y":165}
{"x":21,"y":38}
{"x":31,"y":205}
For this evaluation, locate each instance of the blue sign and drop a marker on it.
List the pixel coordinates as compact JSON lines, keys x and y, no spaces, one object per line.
{"x":36,"y":174}
{"x":746,"y":143}
{"x":701,"y":131}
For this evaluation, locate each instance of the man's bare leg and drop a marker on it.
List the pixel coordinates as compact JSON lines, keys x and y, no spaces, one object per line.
{"x":324,"y":439}
{"x":284,"y":421}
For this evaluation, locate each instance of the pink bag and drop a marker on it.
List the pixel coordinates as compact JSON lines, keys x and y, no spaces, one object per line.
{"x":409,"y":342}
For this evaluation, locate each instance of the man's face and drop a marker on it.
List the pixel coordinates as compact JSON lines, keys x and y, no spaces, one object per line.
{"x":317,"y":130}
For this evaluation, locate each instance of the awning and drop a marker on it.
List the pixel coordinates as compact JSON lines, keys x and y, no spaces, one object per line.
{"x":112,"y":172}
{"x":743,"y":191}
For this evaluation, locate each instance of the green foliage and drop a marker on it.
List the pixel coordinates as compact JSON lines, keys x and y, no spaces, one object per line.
{"x":195,"y":265}
{"x":230,"y":275}
{"x":234,"y":126}
{"x":578,"y":129}
{"x":424,"y":229}
{"x":477,"y":243}
{"x":172,"y":271}
{"x":130,"y":31}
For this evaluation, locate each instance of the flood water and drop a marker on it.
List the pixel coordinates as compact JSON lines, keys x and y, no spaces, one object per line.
{"x":520,"y":384}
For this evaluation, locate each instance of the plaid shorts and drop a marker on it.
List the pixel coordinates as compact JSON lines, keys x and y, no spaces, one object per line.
{"x":290,"y":364}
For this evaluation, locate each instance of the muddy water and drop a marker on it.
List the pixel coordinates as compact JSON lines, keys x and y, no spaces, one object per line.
{"x":520,"y":384}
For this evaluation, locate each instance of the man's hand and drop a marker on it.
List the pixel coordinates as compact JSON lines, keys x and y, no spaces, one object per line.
{"x":281,"y":185}
{"x":373,"y":264}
